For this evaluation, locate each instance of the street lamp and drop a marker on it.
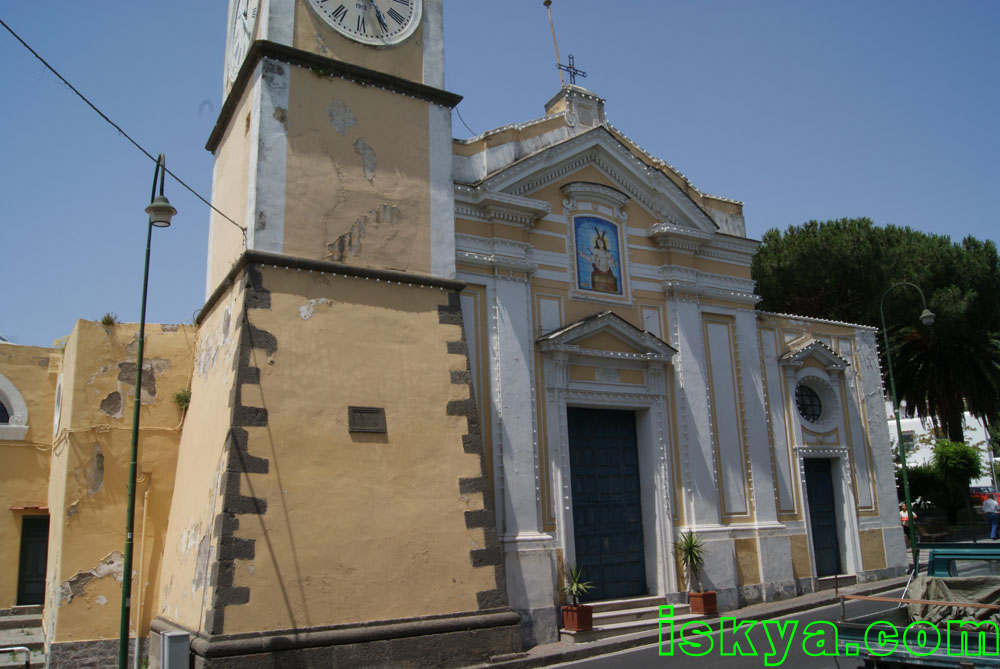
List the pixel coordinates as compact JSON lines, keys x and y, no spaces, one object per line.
{"x":927,"y":318}
{"x":160,"y":212}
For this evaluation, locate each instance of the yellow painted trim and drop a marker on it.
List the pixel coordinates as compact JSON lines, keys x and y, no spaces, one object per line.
{"x":478,"y":293}
{"x":864,"y":428}
{"x":474,"y":269}
{"x":541,"y":410}
{"x":728,"y":322}
{"x":677,"y":482}
{"x":789,"y":416}
{"x":819,"y":438}
{"x":761,"y":333}
{"x":635,"y":377}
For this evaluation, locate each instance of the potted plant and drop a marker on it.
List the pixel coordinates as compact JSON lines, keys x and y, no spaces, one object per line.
{"x":576,"y":616}
{"x":690,"y":549}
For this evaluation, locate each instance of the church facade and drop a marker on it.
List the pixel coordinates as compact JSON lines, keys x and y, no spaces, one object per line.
{"x":431,"y":374}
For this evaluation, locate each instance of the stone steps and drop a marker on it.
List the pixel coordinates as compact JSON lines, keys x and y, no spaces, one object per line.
{"x":16,"y":660}
{"x":14,"y":621}
{"x":22,"y":626}
{"x":621,"y":617}
{"x":828,"y":582}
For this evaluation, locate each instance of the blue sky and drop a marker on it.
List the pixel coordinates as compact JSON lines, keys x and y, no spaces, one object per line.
{"x":802,"y":110}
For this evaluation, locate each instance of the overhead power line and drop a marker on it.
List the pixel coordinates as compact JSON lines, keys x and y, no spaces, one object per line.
{"x":118,"y":128}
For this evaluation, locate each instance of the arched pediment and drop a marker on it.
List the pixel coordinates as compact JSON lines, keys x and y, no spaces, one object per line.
{"x":606,"y":335}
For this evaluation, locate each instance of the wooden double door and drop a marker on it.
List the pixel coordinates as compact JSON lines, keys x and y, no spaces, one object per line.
{"x":607,"y":506}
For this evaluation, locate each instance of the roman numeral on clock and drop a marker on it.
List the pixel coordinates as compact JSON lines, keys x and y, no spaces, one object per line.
{"x":361,"y":24}
{"x":405,"y":3}
{"x":339,"y":13}
{"x":396,"y":16}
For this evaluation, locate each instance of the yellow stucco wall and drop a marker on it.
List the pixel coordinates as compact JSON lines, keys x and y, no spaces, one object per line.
{"x":356,"y":523}
{"x":24,"y":477}
{"x":872,"y":549}
{"x":190,"y":537}
{"x":89,"y":475}
{"x":360,"y":197}
{"x":747,"y":561}
{"x":313,"y":34}
{"x":230,"y":191}
{"x":801,"y":565}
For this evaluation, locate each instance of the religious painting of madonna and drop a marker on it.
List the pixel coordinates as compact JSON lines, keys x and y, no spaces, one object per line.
{"x":599,"y":258}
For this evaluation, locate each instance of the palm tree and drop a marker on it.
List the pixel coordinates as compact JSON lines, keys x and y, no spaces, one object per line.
{"x":948,"y":370}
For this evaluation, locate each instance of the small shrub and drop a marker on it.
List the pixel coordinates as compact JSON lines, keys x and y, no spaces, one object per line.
{"x":182,"y":398}
{"x":109,"y":319}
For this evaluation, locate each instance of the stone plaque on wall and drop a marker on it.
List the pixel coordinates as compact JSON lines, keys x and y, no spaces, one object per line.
{"x":366,"y":419}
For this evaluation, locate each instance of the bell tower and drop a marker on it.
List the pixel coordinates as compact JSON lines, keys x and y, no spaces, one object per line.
{"x":332,"y":455}
{"x":334,"y":140}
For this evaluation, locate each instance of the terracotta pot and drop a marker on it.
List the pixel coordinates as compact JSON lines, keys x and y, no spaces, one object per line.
{"x":703,"y":603}
{"x":578,"y":618}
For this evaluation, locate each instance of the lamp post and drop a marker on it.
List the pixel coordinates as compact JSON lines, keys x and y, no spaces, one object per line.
{"x":160,"y":212}
{"x":927,"y":318}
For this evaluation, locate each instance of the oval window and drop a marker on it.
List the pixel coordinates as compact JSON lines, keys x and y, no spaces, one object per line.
{"x":808,"y":402}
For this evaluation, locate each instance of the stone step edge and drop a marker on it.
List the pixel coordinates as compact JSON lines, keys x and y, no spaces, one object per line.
{"x":644,"y":613}
{"x":628,"y":603}
{"x":631,"y":627}
{"x":27,"y":609}
{"x":14,"y":621}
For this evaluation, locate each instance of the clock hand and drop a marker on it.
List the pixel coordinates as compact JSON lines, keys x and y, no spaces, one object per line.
{"x":378,"y":15}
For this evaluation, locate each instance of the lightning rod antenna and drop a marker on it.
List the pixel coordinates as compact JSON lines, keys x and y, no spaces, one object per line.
{"x":548,"y":7}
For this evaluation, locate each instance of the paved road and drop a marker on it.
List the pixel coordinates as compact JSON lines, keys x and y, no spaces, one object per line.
{"x":648,"y":656}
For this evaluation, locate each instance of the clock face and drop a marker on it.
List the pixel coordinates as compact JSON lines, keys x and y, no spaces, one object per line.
{"x":241,"y":32}
{"x":376,"y":22}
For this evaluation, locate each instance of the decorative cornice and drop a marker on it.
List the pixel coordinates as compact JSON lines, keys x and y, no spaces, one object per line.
{"x":658,"y":193}
{"x":649,"y":347}
{"x":321,"y":65}
{"x":251,"y":257}
{"x":677,"y":237}
{"x":688,"y":281}
{"x":497,"y":254}
{"x":502,"y":208}
{"x":578,"y":192}
{"x":809,"y":319}
{"x":798,"y":352}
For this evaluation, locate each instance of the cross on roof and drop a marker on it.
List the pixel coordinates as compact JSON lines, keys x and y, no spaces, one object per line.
{"x":572,"y":70}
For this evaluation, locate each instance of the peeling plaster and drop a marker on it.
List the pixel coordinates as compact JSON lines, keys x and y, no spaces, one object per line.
{"x":95,"y":472}
{"x":151,"y":368}
{"x":349,"y":243}
{"x":367,"y":158}
{"x":112,"y":404}
{"x":212,"y":344}
{"x":341,"y":117}
{"x":41,"y":361}
{"x":281,"y":116}
{"x":201,"y":569}
{"x":306,"y":310}
{"x":111,"y":565}
{"x":102,"y":370}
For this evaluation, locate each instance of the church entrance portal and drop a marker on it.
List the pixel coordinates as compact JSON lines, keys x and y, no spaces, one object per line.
{"x":607,"y":512}
{"x":823,"y":516}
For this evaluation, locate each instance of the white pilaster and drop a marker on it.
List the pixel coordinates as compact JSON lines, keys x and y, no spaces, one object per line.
{"x":700,"y":478}
{"x":755,"y":417}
